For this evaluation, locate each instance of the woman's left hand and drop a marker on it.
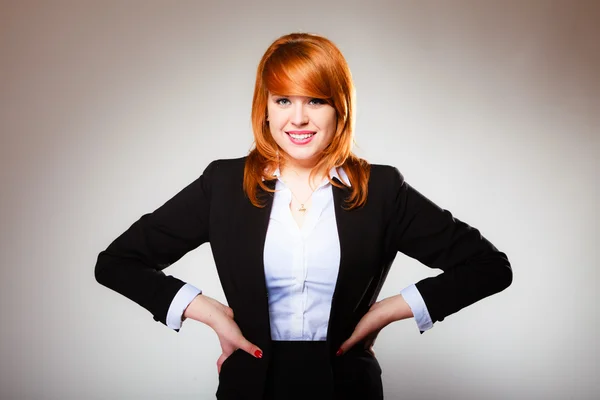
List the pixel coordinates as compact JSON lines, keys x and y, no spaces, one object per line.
{"x":380,"y":315}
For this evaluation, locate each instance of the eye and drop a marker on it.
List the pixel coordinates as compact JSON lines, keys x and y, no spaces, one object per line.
{"x":283,"y":101}
{"x":316,"y":101}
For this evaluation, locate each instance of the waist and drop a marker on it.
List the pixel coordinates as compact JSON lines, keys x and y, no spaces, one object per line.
{"x":299,"y":350}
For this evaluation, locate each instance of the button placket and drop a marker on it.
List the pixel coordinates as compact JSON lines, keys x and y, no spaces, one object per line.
{"x":303,"y":294}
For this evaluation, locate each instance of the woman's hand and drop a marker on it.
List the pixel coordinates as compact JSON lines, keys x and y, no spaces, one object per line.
{"x":220,"y":318}
{"x":380,"y":315}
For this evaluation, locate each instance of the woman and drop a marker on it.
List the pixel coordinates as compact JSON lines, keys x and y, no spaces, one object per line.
{"x":303,"y":234}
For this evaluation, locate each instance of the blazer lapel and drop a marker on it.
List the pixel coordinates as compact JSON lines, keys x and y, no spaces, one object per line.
{"x":247,"y":274}
{"x":355,"y":273}
{"x":243,"y":279}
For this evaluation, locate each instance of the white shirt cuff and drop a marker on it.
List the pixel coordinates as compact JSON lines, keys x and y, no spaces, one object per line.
{"x":415,"y":301}
{"x":182,"y":299}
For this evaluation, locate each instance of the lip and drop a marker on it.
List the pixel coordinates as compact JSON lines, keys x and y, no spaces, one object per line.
{"x":300,"y":132}
{"x":301,"y":142}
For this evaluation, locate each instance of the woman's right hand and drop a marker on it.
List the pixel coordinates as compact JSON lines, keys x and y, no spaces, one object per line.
{"x":220,"y":318}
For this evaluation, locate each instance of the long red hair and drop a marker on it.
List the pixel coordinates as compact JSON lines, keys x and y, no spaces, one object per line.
{"x":305,"y":64}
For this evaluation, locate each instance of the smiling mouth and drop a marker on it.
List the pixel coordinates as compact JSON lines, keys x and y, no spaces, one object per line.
{"x":301,"y":135}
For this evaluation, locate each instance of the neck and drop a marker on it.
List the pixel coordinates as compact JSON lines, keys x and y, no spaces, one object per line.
{"x":297,"y":170}
{"x":300,"y":167}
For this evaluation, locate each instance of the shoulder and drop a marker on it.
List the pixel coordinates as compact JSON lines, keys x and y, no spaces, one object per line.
{"x":385,"y":175}
{"x":226,"y":167}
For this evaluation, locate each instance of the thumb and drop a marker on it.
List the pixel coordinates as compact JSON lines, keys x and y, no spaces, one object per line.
{"x":251,"y":349}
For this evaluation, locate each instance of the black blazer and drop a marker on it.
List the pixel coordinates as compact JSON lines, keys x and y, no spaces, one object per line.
{"x":215,"y":209}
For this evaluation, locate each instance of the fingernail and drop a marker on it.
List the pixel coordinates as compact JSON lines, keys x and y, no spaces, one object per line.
{"x":258,"y":354}
{"x":339,"y":352}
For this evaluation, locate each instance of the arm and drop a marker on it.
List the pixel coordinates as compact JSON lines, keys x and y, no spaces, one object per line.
{"x":472,"y":267}
{"x":183,"y":298}
{"x":415,"y":301}
{"x":132,"y":264}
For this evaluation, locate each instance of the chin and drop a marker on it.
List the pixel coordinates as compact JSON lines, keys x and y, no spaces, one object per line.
{"x":303,"y":157}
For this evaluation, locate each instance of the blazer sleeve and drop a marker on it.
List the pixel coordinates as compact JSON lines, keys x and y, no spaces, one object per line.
{"x":472,"y":267}
{"x":132,"y":264}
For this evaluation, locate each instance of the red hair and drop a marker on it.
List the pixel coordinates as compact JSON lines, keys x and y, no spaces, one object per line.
{"x":304,"y":64}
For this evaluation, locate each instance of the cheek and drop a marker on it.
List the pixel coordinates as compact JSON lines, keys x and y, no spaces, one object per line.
{"x":276,"y":118}
{"x":330,"y":121}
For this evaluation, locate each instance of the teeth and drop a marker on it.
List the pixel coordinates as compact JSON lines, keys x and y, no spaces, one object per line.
{"x":301,"y":137}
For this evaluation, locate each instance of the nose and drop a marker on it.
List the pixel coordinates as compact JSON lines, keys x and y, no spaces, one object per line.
{"x":299,"y":116}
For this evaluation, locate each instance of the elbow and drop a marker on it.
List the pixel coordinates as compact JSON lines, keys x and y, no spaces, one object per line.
{"x":506,"y":277}
{"x":503,"y":275}
{"x":101,"y":272}
{"x":495,"y":274}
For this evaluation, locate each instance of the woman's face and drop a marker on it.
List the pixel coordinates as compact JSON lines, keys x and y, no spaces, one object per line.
{"x":302,"y":127}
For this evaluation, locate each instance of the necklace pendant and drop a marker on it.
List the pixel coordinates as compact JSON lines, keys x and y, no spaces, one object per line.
{"x":302,"y":209}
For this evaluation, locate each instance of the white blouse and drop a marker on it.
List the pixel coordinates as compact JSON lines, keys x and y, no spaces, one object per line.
{"x":301,"y":268}
{"x":301,"y":265}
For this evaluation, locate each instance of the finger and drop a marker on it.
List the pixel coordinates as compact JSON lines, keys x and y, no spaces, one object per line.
{"x":220,"y":362}
{"x":251,"y":349}
{"x":366,"y":326}
{"x":228,"y":311}
{"x":370,"y":339}
{"x":356,"y":337}
{"x":369,"y":342}
{"x":370,"y":350}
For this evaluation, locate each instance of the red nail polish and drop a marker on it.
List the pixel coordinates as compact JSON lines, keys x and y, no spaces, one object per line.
{"x":258,"y":354}
{"x":339,"y":352}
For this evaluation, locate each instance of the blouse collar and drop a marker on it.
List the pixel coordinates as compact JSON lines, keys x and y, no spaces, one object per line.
{"x":335,"y":172}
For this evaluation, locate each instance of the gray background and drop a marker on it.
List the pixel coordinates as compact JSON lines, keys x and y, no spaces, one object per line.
{"x":109,"y":108}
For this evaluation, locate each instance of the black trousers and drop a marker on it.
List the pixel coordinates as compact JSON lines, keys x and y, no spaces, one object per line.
{"x":302,"y":370}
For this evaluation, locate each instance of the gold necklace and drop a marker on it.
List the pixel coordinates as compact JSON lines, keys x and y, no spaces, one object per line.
{"x":302,"y":209}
